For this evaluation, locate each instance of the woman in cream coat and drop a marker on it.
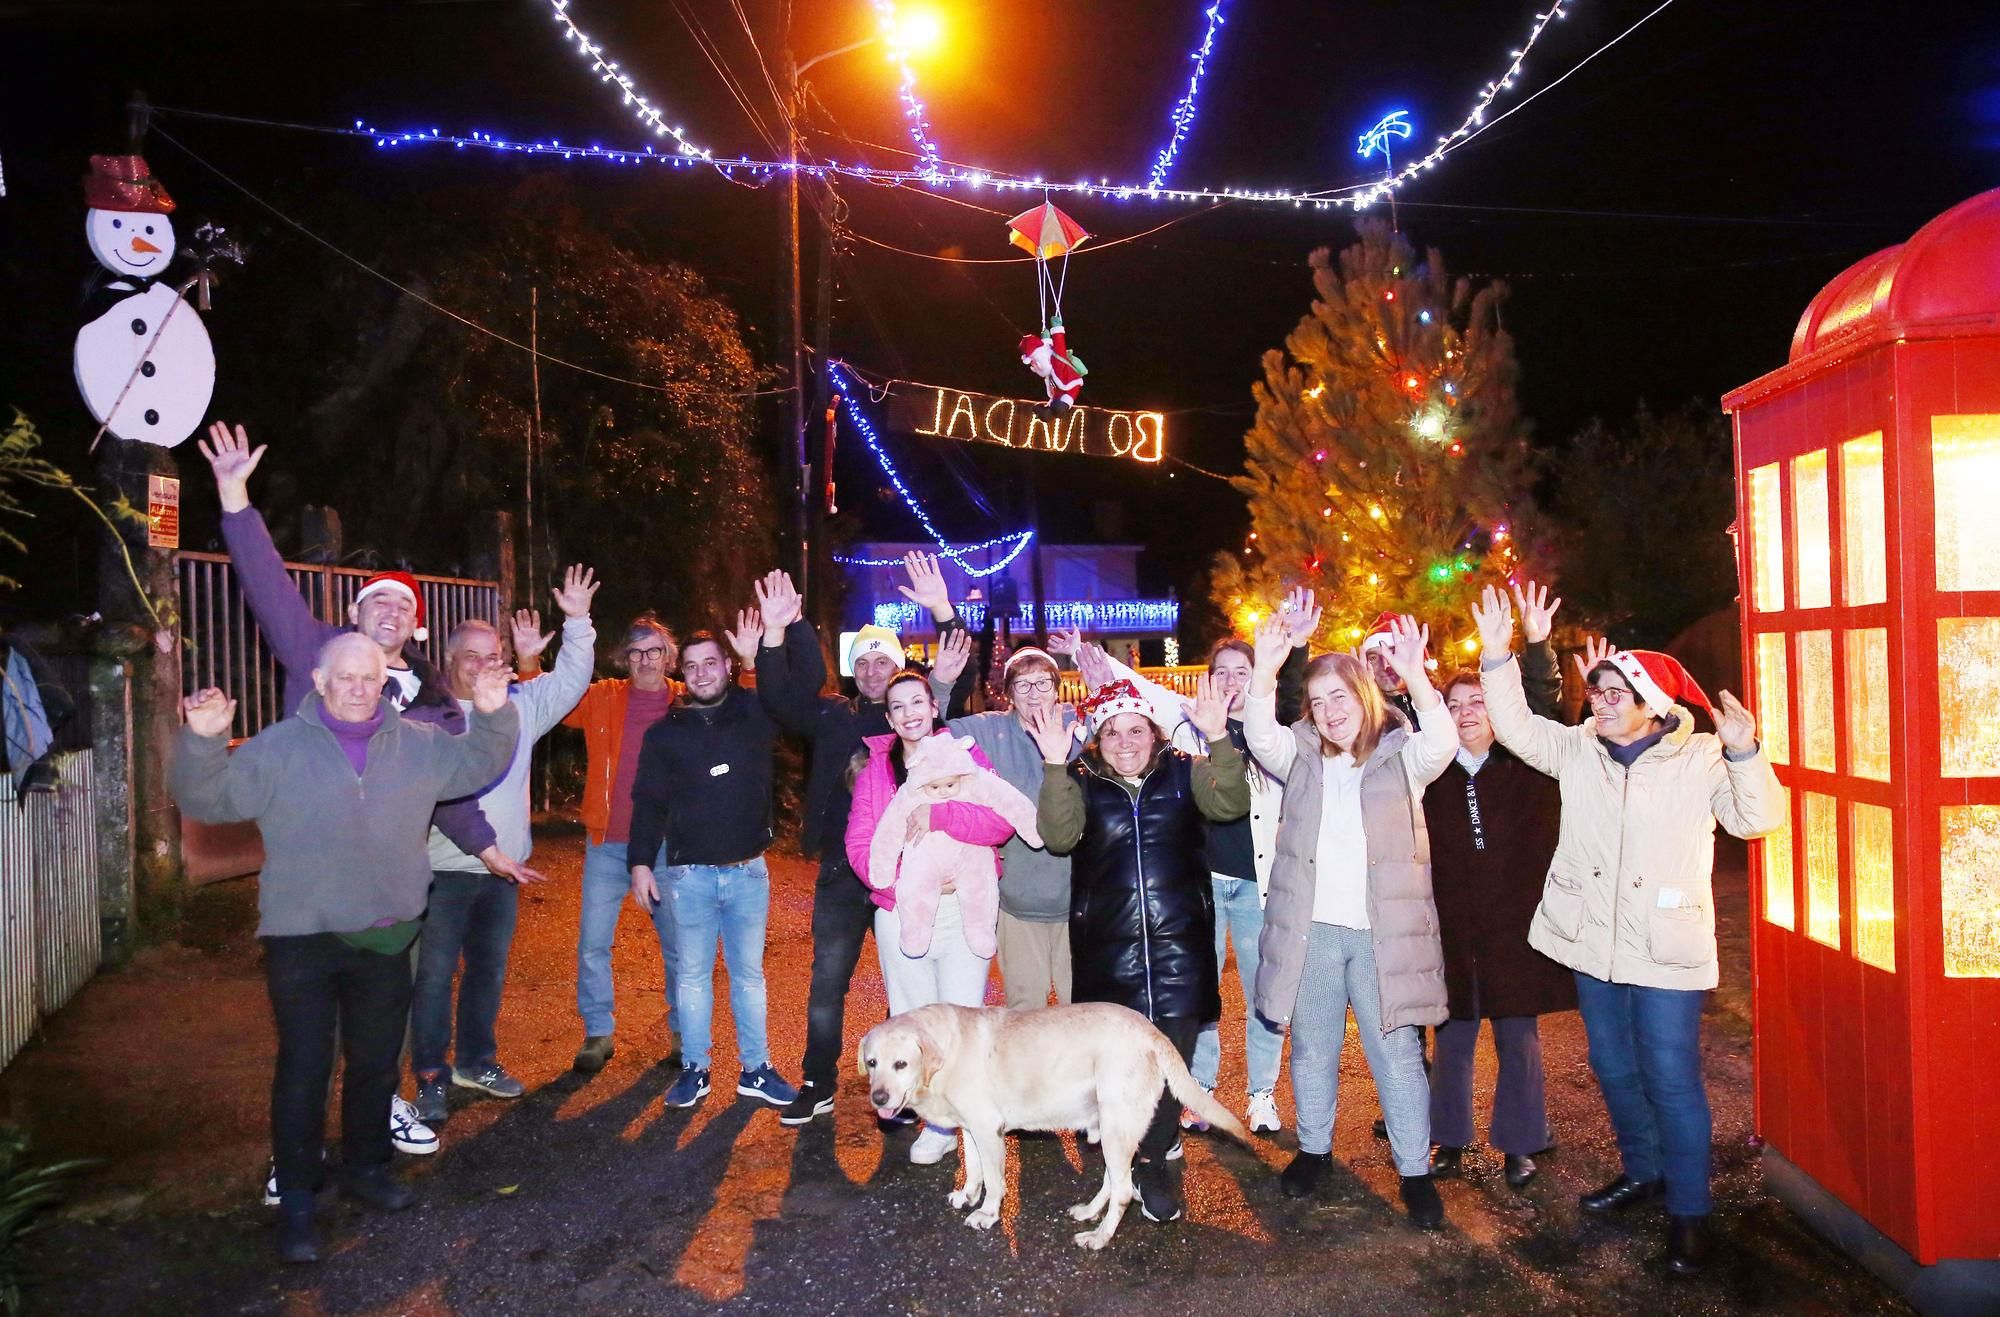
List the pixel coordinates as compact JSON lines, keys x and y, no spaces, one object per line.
{"x":1628,"y":904}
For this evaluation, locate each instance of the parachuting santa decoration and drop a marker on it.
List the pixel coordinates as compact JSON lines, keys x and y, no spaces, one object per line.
{"x":145,"y":365}
{"x":1046,"y":232}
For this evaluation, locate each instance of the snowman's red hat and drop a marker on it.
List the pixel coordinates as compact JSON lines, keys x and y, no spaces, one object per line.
{"x":401,"y":583}
{"x":124,"y":182}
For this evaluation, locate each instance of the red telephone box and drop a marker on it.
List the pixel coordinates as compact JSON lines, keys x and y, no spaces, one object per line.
{"x":1868,"y":493}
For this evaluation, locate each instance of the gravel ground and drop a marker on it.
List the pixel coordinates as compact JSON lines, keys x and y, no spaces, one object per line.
{"x":588,"y":1196}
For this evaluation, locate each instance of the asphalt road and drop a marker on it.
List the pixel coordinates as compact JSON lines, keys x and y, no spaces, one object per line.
{"x":588,"y":1196}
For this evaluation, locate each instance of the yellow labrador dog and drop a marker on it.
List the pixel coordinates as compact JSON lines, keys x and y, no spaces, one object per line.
{"x":1094,"y":1067}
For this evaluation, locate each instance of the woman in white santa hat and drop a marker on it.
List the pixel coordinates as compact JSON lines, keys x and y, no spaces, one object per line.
{"x":1628,"y":903}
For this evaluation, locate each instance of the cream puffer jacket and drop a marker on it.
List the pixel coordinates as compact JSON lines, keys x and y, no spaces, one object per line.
{"x":1629,"y":894}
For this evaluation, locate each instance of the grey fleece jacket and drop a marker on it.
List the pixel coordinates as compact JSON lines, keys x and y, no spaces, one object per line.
{"x":1034,"y":885}
{"x":341,"y":852}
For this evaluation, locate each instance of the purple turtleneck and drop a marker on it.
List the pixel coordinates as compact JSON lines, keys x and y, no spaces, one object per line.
{"x":353,"y":737}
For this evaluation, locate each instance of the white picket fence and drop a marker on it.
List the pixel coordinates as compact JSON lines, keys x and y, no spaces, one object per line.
{"x":50,"y":943}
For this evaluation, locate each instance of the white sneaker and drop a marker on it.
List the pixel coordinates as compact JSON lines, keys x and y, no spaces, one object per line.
{"x":1175,"y":1153}
{"x":1264,"y":1112}
{"x":407,"y":1132}
{"x":1190,"y":1121}
{"x":271,"y":1198}
{"x":932,"y":1145}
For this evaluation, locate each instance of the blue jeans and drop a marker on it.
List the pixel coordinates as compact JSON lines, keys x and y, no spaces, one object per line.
{"x":1340,"y":972}
{"x":1645,"y":1049}
{"x":730,"y":901}
{"x":471,"y":915}
{"x":1239,"y":919}
{"x":607,"y":880}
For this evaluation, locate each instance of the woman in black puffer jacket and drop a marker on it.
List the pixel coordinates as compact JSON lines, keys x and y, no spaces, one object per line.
{"x":1129,"y":813}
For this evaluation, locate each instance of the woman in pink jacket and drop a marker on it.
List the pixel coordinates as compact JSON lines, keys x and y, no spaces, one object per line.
{"x":949,"y":971}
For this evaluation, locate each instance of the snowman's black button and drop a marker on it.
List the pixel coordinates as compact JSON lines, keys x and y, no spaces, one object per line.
{"x":138,"y":326}
{"x":152,"y":417}
{"x":147,"y":369}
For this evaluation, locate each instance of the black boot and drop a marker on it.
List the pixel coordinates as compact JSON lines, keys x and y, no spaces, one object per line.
{"x":1687,"y":1244}
{"x":298,"y":1239}
{"x":1306,"y":1173}
{"x":375,"y":1186}
{"x":1445,"y":1159}
{"x":1421,"y":1201}
{"x":1620,"y":1194}
{"x":1520,"y":1170}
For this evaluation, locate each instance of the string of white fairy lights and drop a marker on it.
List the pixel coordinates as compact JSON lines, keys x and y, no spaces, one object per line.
{"x":932,"y":172}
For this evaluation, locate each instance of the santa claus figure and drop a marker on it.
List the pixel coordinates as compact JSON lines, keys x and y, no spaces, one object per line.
{"x":1048,"y":355}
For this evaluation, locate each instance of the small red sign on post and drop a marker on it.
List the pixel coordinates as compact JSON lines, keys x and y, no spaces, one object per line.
{"x":163,"y":512}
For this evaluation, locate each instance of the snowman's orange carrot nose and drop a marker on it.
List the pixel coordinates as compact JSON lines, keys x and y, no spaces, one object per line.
{"x":141,"y":245}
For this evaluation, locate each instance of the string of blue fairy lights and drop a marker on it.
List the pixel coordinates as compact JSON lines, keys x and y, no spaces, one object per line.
{"x":843,"y":384}
{"x":1182,"y":117}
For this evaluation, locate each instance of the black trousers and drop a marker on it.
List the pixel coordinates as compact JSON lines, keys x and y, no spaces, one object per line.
{"x":1182,"y":1031}
{"x":842,"y":916}
{"x":313,"y":981}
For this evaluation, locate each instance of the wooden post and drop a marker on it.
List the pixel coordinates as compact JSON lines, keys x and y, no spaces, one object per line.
{"x":111,"y":768}
{"x":141,"y":634}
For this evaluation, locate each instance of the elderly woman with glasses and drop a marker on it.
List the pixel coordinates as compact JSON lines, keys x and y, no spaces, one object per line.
{"x":614,"y":715}
{"x":1628,"y":905}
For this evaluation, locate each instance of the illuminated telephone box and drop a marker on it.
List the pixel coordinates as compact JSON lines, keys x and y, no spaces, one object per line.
{"x":1868,"y":491}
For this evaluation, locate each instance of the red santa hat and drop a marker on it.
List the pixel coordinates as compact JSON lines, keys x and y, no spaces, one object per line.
{"x":1659,"y":681}
{"x":1031,"y":344}
{"x":401,"y":583}
{"x":1381,"y":633}
{"x":124,"y":182}
{"x":1112,"y":699}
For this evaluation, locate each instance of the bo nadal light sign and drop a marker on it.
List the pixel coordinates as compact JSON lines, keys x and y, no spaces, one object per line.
{"x":982,"y":418}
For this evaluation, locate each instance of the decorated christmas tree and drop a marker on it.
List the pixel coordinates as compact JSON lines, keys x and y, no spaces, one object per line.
{"x":1387,"y":468}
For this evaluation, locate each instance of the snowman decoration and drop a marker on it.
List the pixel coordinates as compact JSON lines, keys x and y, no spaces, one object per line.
{"x":145,"y":366}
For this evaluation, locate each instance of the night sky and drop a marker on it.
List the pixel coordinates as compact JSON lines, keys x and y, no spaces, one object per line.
{"x":1662,"y":217}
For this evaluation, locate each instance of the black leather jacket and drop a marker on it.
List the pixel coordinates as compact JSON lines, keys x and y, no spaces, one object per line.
{"x":1142,"y":911}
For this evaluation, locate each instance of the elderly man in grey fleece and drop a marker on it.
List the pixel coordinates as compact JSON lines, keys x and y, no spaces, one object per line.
{"x":343,"y":792}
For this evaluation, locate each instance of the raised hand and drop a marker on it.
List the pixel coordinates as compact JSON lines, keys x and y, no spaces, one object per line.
{"x":954,"y":651}
{"x":746,"y":636}
{"x":1210,"y":714}
{"x":1272,"y":641}
{"x":1408,"y":639}
{"x":1094,"y":665}
{"x":232,"y":460}
{"x":1046,"y":728}
{"x":1538,"y":615}
{"x":1066,"y":642}
{"x":579,"y":587}
{"x":1301,"y":613}
{"x":1596,"y":650}
{"x":1734,"y":724}
{"x":927,"y":586}
{"x":1494,"y":617}
{"x":778,"y":600}
{"x":529,"y":638}
{"x":209,"y":712}
{"x":489,"y":690}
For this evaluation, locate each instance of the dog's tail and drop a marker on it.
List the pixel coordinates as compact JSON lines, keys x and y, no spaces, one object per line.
{"x":1192,"y":1095}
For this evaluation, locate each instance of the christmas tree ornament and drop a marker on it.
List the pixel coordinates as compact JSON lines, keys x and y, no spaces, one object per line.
{"x":1046,"y":233}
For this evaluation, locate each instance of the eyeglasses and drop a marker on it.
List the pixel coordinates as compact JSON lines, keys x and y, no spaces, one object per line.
{"x":1034,"y":686}
{"x":647,"y":655}
{"x":1608,"y":696}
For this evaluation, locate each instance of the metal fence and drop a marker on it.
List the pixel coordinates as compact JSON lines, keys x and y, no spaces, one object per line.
{"x":221,"y":645}
{"x":50,"y":942}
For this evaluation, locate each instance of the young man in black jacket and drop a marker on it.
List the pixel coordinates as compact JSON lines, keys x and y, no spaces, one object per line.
{"x":790,"y":672}
{"x":704,"y":787}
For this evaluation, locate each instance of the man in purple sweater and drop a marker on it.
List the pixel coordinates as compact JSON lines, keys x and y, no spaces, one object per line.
{"x":388,"y":611}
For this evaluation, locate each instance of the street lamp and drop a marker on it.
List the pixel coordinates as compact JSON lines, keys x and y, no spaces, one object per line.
{"x":904,"y":34}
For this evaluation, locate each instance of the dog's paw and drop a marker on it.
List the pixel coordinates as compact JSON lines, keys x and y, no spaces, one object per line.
{"x":1093,"y":1239}
{"x":967,"y":1197}
{"x":1083,"y":1212}
{"x":984,"y":1219}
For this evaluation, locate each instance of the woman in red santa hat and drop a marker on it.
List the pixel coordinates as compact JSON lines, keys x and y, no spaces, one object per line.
{"x":1628,"y":904}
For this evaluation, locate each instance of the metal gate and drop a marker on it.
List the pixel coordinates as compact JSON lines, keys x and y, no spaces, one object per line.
{"x":50,"y":943}
{"x":221,"y":645}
